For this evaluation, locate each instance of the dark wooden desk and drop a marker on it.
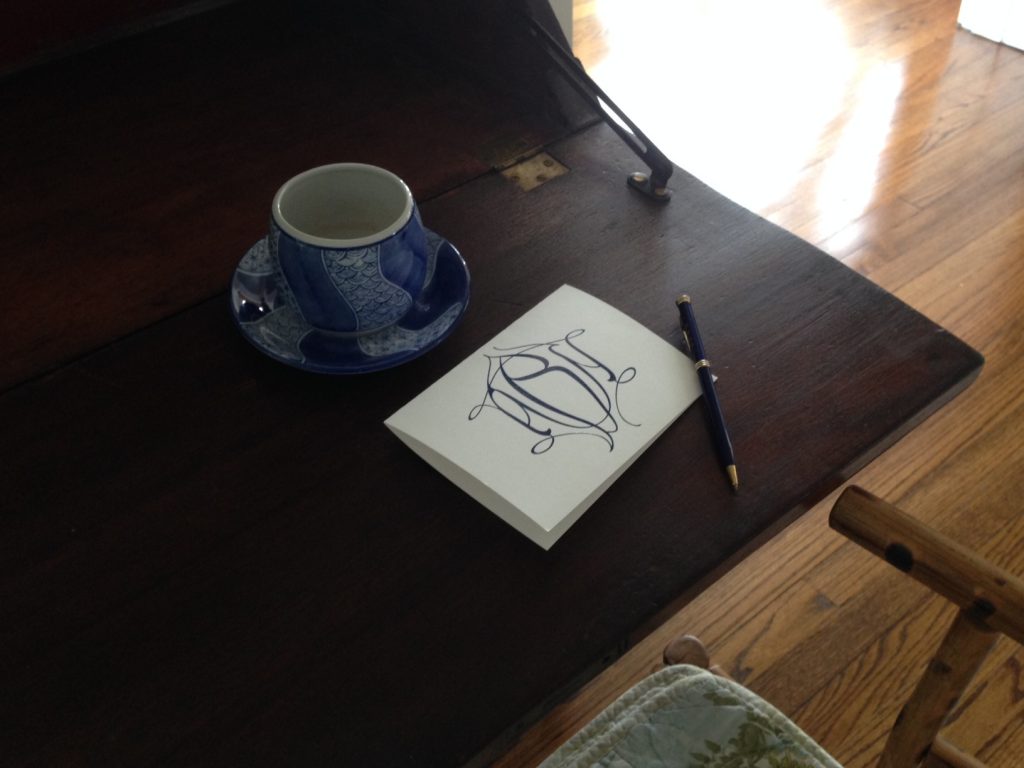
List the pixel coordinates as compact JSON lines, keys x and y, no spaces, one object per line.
{"x":209,"y":558}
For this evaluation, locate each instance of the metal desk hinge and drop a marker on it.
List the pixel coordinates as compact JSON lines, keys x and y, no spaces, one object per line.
{"x":534,"y":171}
{"x":655,"y":184}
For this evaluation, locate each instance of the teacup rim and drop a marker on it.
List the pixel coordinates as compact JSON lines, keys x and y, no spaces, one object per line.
{"x":339,"y":243}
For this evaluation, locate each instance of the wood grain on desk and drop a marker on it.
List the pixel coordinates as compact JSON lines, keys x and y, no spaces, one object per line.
{"x":209,"y":557}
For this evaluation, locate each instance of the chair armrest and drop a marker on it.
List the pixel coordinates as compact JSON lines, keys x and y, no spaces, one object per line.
{"x":994,"y":597}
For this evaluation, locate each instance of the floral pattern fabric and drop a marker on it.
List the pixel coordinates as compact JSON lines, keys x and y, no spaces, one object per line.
{"x":683,"y":717}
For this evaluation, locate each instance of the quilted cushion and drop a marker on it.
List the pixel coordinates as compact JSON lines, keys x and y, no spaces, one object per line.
{"x":685,"y":716}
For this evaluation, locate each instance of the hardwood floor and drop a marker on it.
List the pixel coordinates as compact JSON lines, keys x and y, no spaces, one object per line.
{"x":879,"y":131}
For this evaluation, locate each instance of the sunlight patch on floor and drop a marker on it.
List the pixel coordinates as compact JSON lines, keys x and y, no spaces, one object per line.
{"x":741,"y":94}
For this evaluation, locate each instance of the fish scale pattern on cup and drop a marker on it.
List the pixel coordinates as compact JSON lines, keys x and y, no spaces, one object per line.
{"x":357,"y":276}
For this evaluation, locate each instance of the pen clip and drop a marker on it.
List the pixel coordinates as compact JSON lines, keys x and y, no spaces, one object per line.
{"x":683,"y":324}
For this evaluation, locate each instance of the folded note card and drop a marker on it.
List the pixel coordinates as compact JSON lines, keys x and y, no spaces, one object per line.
{"x":539,"y":422}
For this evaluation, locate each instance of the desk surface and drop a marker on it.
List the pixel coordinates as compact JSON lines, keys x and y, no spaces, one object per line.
{"x":210,"y":558}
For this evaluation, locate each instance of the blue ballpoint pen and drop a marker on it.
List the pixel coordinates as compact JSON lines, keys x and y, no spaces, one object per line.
{"x":688,"y":322}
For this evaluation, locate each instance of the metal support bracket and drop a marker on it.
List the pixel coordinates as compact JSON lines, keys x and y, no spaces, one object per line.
{"x":653,"y":185}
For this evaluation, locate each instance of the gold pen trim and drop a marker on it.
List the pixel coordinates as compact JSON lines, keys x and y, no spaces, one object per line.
{"x":734,"y":477}
{"x":702,"y":363}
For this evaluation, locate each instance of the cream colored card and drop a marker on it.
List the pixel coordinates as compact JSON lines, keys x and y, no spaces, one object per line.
{"x":540,"y":421}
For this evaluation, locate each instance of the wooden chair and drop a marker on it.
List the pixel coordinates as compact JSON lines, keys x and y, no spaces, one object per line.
{"x":991,"y":603}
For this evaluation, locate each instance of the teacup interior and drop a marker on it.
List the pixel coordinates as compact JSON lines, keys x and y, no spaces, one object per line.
{"x":347,"y":202}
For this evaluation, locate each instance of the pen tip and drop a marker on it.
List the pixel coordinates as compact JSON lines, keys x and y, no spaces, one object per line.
{"x":734,"y":477}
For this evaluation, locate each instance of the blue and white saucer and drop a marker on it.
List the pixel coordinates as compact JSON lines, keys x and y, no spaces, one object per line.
{"x":267,"y":315}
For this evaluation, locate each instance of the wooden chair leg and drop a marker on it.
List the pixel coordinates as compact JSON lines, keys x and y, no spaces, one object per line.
{"x":958,"y":658}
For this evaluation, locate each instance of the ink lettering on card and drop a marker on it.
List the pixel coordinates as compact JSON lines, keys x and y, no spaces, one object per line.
{"x":555,"y":390}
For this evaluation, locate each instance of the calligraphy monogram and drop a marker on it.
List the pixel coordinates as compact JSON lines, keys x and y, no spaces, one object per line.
{"x":555,"y":389}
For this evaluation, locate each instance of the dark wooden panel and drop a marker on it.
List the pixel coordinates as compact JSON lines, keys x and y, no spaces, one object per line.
{"x":34,"y":29}
{"x":136,"y":175}
{"x":211,"y":558}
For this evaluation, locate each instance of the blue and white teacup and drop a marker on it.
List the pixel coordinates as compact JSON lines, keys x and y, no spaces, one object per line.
{"x":351,"y":246}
